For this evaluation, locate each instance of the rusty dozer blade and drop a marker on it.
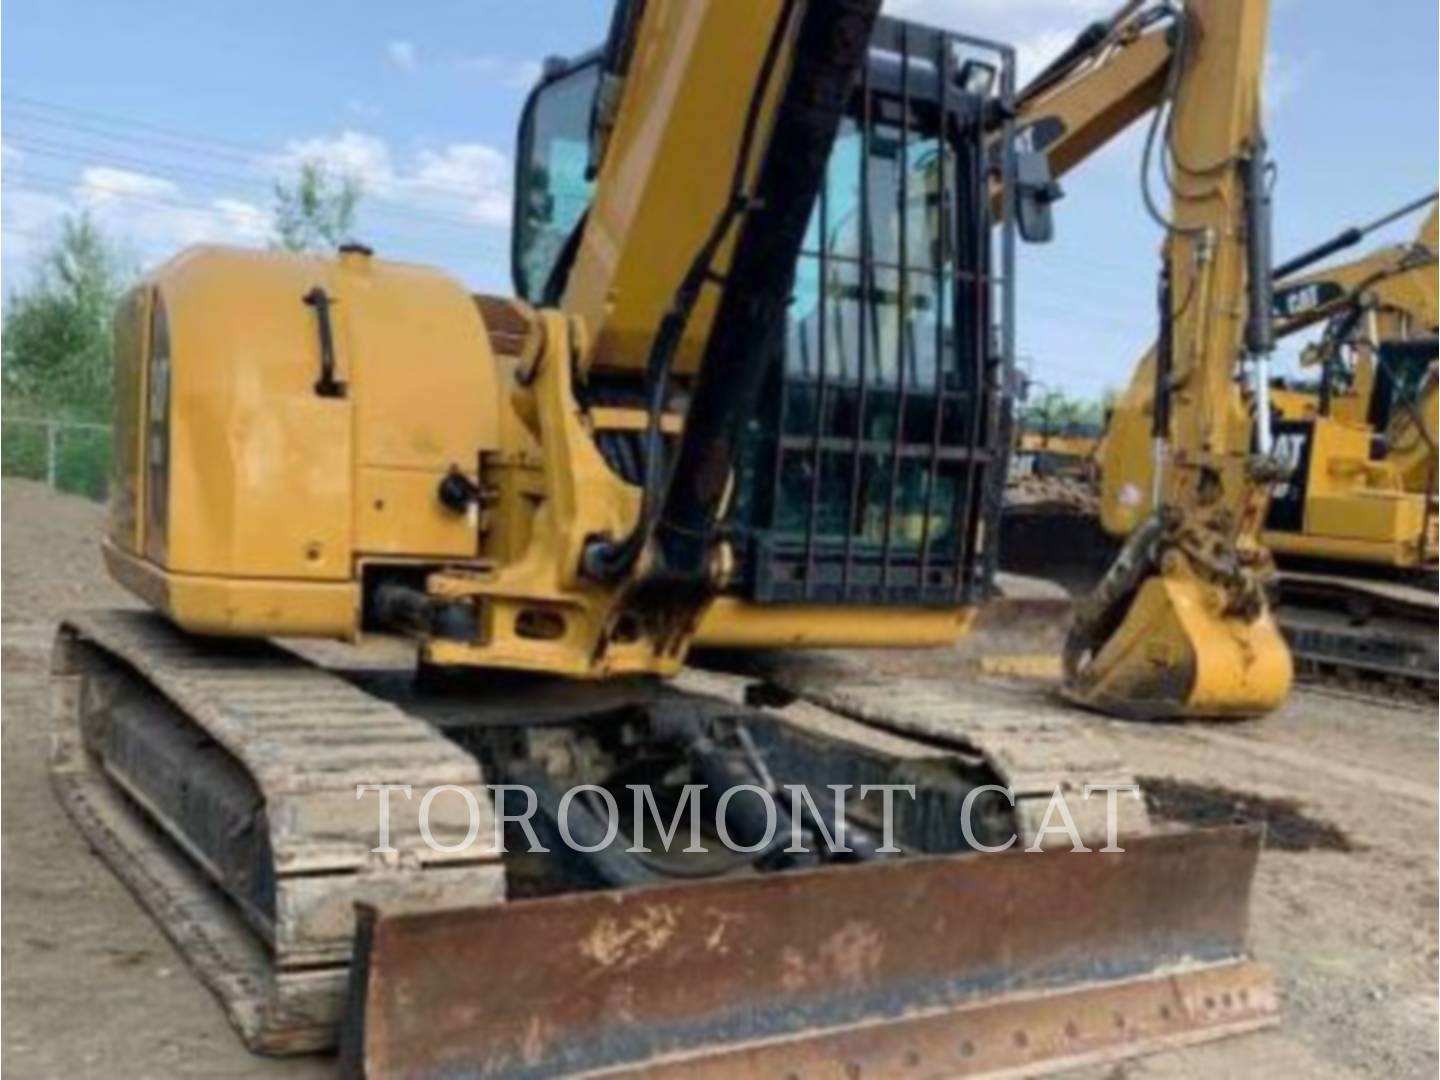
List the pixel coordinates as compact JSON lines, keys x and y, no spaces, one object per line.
{"x":928,"y":966}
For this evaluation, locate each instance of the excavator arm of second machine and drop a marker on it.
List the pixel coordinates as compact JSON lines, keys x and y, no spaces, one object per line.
{"x":1180,"y":626}
{"x":1110,"y":76}
{"x":1393,"y":286}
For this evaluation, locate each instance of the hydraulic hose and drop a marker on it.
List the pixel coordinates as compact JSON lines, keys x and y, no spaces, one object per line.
{"x":606,"y":560}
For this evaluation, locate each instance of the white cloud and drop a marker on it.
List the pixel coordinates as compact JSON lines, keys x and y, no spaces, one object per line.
{"x":100,"y":185}
{"x":461,"y":180}
{"x":29,"y":214}
{"x":1033,"y":53}
{"x":156,"y":214}
{"x":1038,"y":29}
{"x":402,"y":55}
{"x":447,"y":186}
{"x":29,"y":223}
{"x":351,"y":153}
{"x":244,"y":220}
{"x":515,"y":74}
{"x":416,"y":193}
{"x":1282,"y":79}
{"x":476,"y":174}
{"x":149,"y":216}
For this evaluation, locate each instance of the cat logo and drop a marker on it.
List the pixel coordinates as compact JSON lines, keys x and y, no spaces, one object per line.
{"x":1300,"y":299}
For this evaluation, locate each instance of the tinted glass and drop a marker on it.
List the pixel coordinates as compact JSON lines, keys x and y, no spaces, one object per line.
{"x":552,"y":192}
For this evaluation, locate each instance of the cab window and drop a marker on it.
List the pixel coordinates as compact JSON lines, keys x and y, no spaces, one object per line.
{"x":552,"y":192}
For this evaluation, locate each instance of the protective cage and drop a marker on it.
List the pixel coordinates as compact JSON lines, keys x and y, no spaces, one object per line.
{"x":873,"y":471}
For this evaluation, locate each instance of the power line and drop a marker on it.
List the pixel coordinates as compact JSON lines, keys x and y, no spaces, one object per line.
{"x":43,"y":184}
{"x":25,"y":102}
{"x":232,"y":151}
{"x":219,"y":181}
{"x":115,"y":128}
{"x":1031,"y":263}
{"x":80,"y":152}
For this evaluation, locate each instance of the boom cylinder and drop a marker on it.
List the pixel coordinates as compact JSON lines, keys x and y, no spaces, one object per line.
{"x":1260,"y":285}
{"x":831,"y":45}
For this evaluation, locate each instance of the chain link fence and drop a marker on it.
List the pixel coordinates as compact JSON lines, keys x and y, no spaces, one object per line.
{"x":66,"y":455}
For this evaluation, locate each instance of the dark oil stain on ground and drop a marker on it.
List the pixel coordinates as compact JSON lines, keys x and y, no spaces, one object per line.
{"x":1286,"y":827}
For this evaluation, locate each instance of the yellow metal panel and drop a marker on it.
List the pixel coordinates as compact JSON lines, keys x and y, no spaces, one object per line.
{"x":672,"y":153}
{"x":1395,"y":546}
{"x":1216,"y":113}
{"x":1094,"y":106}
{"x":1243,"y":667}
{"x":236,"y":607}
{"x":609,"y":418}
{"x":397,"y":513}
{"x":1375,"y":516}
{"x":263,"y":468}
{"x":731,"y":623}
{"x":260,"y":470}
{"x":423,"y":376}
{"x":1127,"y":473}
{"x":1295,"y":404}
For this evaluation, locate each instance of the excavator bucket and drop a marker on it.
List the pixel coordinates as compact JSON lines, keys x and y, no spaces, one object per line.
{"x":1174,"y":656}
{"x":947,"y":965}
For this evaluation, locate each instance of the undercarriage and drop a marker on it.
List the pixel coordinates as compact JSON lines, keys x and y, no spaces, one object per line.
{"x":219,"y":779}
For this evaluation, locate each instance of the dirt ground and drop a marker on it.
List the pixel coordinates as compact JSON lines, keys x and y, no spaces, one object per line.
{"x":92,"y":989}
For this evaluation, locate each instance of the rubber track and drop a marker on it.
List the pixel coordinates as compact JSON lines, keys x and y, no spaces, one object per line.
{"x":306,"y":738}
{"x":1374,"y":638}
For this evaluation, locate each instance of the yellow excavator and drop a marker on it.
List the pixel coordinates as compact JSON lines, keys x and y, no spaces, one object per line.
{"x":1179,"y":625}
{"x":753,"y":392}
{"x":1353,"y":517}
{"x":1047,"y":444}
{"x":1372,"y":434}
{"x":1067,"y":452}
{"x":1385,"y":297}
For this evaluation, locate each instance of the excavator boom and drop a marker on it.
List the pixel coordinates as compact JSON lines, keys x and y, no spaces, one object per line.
{"x":1180,"y":626}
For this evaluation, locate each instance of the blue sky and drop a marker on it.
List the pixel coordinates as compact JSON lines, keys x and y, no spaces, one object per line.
{"x":168,"y":121}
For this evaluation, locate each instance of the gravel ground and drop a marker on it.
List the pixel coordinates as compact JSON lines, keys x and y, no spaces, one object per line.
{"x":91,"y":988}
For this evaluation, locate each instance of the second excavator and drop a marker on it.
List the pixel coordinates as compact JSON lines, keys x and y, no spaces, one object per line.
{"x":1181,"y":625}
{"x":1353,"y":514}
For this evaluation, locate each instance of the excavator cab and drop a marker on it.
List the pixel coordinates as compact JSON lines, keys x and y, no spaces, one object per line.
{"x":870,"y":473}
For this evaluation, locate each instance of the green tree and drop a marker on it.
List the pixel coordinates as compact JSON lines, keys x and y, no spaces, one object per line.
{"x":317,"y":211}
{"x":56,"y":349}
{"x":1054,"y":412}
